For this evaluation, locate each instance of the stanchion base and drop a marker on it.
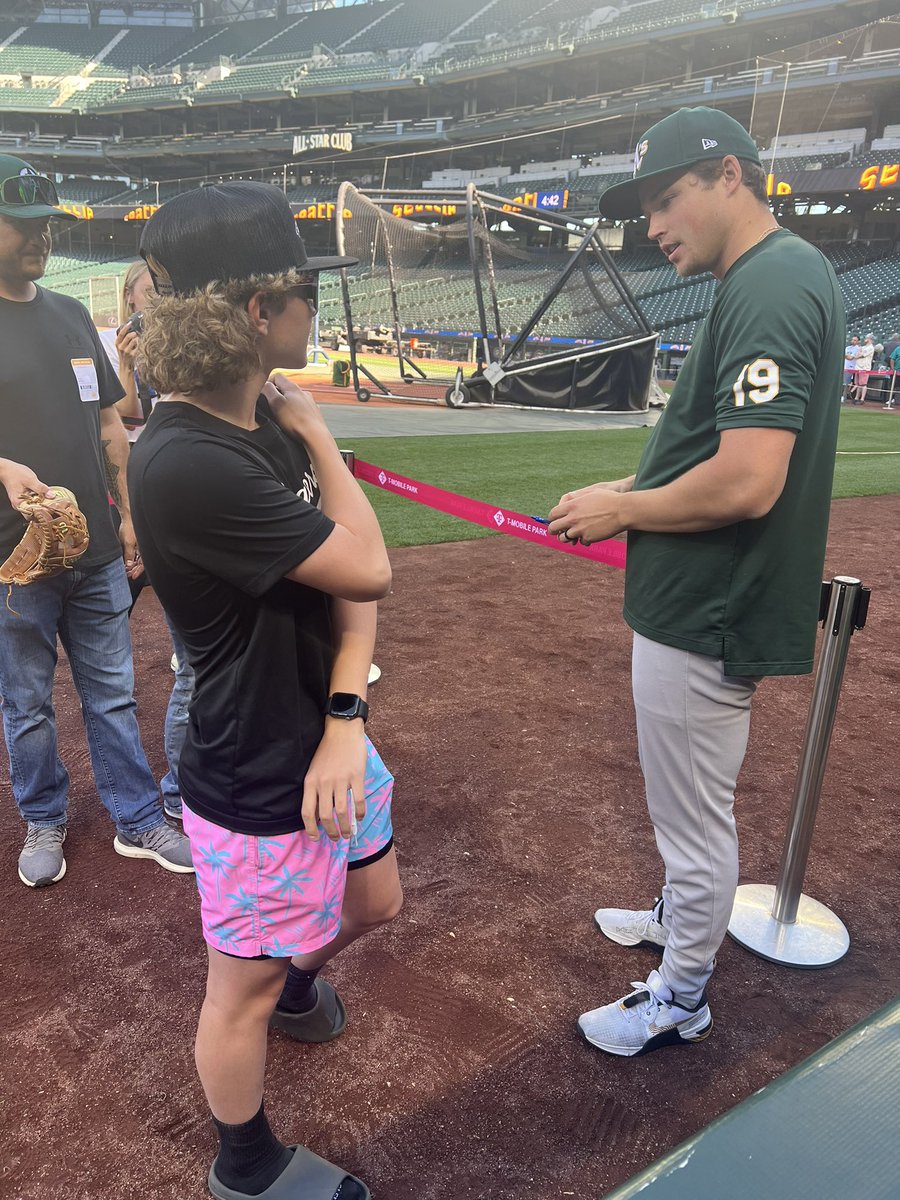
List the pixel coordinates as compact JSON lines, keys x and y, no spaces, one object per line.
{"x":816,"y":939}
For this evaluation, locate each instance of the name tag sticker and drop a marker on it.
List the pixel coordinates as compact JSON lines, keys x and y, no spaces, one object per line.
{"x":86,"y":376}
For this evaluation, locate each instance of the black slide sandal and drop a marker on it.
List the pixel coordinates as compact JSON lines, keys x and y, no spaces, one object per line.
{"x":306,"y":1177}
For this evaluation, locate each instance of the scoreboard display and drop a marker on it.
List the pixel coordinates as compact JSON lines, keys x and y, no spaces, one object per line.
{"x":554,"y":201}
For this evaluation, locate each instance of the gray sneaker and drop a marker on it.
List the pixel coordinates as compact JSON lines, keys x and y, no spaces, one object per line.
{"x":41,"y":861}
{"x":630,"y":928}
{"x":162,"y":843}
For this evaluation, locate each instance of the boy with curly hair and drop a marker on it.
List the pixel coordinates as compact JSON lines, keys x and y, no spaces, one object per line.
{"x":268,"y":560}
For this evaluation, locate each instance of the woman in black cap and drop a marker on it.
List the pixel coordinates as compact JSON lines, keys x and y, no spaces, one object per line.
{"x":268,"y":559}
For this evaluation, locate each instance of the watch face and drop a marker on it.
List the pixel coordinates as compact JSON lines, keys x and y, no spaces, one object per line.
{"x":346,"y":704}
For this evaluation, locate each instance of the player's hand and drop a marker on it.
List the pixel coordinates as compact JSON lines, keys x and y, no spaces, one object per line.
{"x":590,"y":514}
{"x":337,"y":772}
{"x":612,"y":485}
{"x":19,"y":479}
{"x":294,"y":409}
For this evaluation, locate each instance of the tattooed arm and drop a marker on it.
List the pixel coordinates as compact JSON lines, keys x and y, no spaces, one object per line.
{"x":114,"y":444}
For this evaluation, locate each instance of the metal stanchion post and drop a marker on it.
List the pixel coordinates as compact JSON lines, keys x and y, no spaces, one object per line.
{"x":780,"y":923}
{"x":317,"y":354}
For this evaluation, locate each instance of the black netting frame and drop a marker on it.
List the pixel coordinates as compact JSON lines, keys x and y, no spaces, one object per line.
{"x":578,"y":306}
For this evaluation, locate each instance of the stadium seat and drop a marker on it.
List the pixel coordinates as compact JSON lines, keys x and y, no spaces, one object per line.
{"x":25,"y":99}
{"x":264,"y":78}
{"x":140,"y":97}
{"x":54,"y":50}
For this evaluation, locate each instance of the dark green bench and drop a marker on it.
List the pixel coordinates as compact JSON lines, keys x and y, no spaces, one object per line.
{"x":829,"y":1129}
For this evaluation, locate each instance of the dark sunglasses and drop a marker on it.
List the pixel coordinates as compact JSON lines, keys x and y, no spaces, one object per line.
{"x":25,"y":190}
{"x":310,"y":293}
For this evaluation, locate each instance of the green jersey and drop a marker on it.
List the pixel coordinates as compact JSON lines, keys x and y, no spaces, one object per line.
{"x":771,"y":354}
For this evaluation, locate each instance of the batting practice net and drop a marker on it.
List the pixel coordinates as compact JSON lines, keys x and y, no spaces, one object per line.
{"x":460,"y":300}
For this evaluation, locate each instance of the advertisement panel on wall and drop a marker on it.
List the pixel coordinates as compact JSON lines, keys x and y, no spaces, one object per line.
{"x":880,"y":177}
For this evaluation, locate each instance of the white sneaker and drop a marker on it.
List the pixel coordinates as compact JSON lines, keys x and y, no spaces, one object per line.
{"x":630,"y":928}
{"x":645,"y":1020}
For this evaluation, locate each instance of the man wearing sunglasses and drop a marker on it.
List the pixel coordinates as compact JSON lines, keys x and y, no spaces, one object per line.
{"x":59,"y":426}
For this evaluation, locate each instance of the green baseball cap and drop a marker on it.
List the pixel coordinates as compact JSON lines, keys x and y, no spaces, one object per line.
{"x":27,"y":195}
{"x":679,"y":140}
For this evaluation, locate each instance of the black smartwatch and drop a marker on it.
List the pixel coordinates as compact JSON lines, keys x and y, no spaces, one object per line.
{"x":347,"y":706}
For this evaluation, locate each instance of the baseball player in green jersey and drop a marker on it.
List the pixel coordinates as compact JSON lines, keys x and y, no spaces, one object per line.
{"x":727,"y":518}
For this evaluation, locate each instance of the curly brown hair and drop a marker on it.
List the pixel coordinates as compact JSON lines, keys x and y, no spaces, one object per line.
{"x":198,"y":342}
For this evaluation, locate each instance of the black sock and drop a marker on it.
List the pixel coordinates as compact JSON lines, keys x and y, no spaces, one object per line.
{"x":250,"y":1155}
{"x":299,"y":992}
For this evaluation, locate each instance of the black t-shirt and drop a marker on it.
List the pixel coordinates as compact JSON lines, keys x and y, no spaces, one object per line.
{"x":54,"y":379}
{"x":222,"y":514}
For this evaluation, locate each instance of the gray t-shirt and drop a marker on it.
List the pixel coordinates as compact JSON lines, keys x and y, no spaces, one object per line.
{"x":54,"y":379}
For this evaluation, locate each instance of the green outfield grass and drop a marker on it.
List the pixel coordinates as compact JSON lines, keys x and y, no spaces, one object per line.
{"x":868,"y":460}
{"x":530,"y":471}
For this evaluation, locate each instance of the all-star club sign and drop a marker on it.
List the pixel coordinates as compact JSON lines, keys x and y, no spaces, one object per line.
{"x":304,"y":142}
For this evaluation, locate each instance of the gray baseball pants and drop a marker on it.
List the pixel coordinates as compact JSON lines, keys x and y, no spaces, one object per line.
{"x":693,"y":722}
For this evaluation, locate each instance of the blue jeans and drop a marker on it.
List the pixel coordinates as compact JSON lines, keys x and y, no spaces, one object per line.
{"x":175,"y":729}
{"x":89,"y":611}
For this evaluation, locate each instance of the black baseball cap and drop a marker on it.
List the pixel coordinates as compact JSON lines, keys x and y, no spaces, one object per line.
{"x":27,"y":195}
{"x":225,"y":232}
{"x":679,"y":140}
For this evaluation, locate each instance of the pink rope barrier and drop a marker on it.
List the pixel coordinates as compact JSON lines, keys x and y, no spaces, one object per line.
{"x":490,"y":516}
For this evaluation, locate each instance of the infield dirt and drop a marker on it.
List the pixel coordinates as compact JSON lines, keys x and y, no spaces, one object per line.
{"x":504,"y":712}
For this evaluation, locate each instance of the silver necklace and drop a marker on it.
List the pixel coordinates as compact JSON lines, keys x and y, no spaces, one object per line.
{"x":763,"y":236}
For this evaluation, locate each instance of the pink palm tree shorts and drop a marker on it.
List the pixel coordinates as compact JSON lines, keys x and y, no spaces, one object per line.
{"x":282,"y":895}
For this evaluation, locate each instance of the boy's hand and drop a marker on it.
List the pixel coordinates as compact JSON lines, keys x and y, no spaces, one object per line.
{"x":294,"y":409}
{"x":337,"y":772}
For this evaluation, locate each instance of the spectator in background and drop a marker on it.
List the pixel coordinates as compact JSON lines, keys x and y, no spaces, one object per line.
{"x":851,"y":353}
{"x":894,"y":367}
{"x":60,"y":425}
{"x":121,"y":347}
{"x":863,"y":368}
{"x":890,"y":346}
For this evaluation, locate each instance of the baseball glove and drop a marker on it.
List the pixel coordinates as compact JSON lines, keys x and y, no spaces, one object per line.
{"x":55,"y":537}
